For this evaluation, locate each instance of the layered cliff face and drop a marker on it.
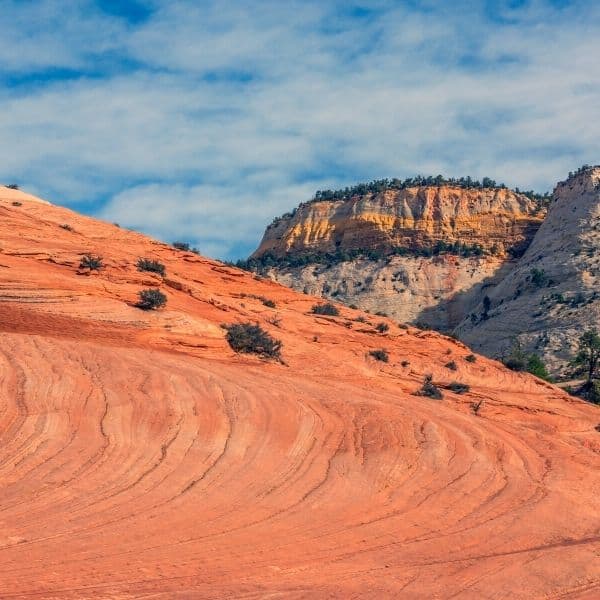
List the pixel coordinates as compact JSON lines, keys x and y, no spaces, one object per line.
{"x":141,"y":457}
{"x":480,"y":229}
{"x":553,"y":293}
{"x":498,"y":220}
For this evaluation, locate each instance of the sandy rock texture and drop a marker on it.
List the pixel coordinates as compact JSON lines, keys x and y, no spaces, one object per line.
{"x":553,"y":293}
{"x":140,"y":457}
{"x":436,"y":292}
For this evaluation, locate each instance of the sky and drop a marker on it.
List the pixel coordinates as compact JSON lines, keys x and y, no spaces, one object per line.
{"x":201,"y":120}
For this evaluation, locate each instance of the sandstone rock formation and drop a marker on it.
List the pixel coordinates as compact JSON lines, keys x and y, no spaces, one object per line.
{"x":553,"y":293}
{"x":417,"y":217}
{"x":141,"y":457}
{"x":435,"y":291}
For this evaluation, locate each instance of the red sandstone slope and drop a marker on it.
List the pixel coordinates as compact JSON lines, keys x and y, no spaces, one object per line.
{"x":141,"y":458}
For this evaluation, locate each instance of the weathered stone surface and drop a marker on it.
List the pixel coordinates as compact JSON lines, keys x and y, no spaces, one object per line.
{"x":437,"y":291}
{"x":549,"y":316}
{"x":414,"y":217}
{"x":140,"y":457}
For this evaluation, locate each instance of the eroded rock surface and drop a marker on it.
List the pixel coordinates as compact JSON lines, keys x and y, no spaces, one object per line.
{"x":436,"y":291}
{"x":553,"y":293}
{"x":141,"y":457}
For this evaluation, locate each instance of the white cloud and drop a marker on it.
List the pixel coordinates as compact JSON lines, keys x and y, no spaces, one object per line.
{"x":209,"y":119}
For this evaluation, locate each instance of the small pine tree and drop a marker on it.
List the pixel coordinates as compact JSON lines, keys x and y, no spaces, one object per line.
{"x":589,"y":353}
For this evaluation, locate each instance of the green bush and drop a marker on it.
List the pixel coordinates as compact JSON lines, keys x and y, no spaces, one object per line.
{"x":536,"y":367}
{"x":382,"y":327}
{"x":151,"y":299}
{"x":93,"y":263}
{"x":429,"y":389}
{"x":470,"y":358}
{"x":520,"y":361}
{"x":451,"y":365}
{"x":250,"y":338}
{"x":538,"y":277}
{"x":268,"y":303}
{"x":380,"y":355}
{"x":152,"y":266}
{"x":325,"y":309}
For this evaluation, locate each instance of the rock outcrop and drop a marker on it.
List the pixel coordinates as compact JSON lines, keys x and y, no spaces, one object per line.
{"x":553,"y":293}
{"x":487,"y":227}
{"x":140,"y":457}
{"x":499,"y":220}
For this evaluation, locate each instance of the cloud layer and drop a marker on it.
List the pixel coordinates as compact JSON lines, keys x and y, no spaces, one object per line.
{"x":203,"y":120}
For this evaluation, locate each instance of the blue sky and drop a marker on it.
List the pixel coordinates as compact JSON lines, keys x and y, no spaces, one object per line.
{"x":202,"y":120}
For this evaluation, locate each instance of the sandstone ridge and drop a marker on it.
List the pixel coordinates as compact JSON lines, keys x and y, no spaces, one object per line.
{"x":498,"y":220}
{"x":476,"y":233}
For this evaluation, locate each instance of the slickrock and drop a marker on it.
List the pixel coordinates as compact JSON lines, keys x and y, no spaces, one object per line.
{"x":140,"y":457}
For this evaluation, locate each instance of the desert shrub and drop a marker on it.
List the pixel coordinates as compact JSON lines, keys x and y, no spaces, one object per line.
{"x":382,"y":327}
{"x":251,"y":338}
{"x":66,"y":227}
{"x":470,"y":358}
{"x":325,"y":309}
{"x":458,"y":388}
{"x":380,"y":313}
{"x":405,"y":363}
{"x":151,"y":299}
{"x":12,"y":186}
{"x":451,"y":365}
{"x":268,"y":303}
{"x":152,"y":266}
{"x":17,"y":203}
{"x":520,"y":361}
{"x":360,"y":319}
{"x":353,"y":306}
{"x":381,"y":355}
{"x":538,"y":277}
{"x":536,"y":367}
{"x":181,"y":246}
{"x":429,"y":389}
{"x":93,"y":263}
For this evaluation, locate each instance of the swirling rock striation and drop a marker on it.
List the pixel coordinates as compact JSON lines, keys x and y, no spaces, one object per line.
{"x":141,"y":458}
